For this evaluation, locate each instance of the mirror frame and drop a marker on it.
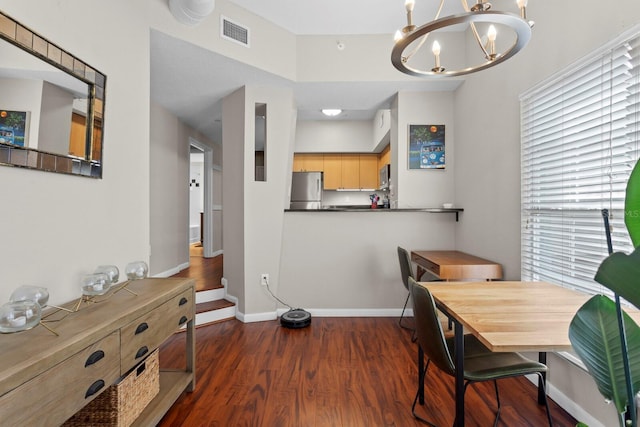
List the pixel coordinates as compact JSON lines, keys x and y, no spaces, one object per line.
{"x":12,"y":155}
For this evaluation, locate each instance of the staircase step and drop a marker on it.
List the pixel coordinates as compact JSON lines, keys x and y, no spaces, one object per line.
{"x":210,"y":295}
{"x":213,"y":305}
{"x":214,"y":311}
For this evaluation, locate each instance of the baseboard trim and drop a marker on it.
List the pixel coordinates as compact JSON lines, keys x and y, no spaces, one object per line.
{"x":172,"y":271}
{"x":320,"y":312}
{"x":216,"y":253}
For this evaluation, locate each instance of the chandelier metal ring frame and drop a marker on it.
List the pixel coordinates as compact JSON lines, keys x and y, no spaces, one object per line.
{"x":521,"y":28}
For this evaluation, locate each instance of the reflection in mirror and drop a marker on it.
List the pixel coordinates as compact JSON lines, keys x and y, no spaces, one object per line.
{"x":51,"y":108}
{"x":260,"y":142}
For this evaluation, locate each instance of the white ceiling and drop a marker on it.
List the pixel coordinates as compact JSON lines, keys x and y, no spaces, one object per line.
{"x":321,"y":17}
{"x":190,"y":81}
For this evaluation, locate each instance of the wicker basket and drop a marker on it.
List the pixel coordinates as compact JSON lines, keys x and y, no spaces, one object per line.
{"x":120,"y":404}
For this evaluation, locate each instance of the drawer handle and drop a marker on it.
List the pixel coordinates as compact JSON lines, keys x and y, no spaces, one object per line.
{"x":141,"y":369}
{"x":183,"y":301}
{"x":143,"y":350}
{"x":94,"y":358}
{"x":182,"y":320}
{"x":94,"y":388}
{"x":141,"y":328}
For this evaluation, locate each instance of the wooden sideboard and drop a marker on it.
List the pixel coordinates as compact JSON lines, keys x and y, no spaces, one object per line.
{"x":45,"y":379}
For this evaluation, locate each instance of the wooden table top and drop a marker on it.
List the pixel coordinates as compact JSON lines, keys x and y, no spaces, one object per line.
{"x":456,"y":265}
{"x":511,"y":316}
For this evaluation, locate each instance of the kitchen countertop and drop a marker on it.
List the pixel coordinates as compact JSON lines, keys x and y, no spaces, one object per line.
{"x":367,"y":208}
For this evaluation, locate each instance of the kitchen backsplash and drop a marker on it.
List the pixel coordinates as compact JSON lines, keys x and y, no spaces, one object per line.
{"x":342,"y":198}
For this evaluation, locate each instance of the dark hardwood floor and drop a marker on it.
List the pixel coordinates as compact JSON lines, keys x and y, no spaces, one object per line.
{"x":338,"y":372}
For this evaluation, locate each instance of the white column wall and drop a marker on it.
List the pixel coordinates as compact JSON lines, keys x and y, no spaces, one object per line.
{"x":261,"y":202}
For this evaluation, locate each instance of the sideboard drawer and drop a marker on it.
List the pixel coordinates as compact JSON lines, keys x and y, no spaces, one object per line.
{"x":60,"y":392}
{"x":145,"y":334}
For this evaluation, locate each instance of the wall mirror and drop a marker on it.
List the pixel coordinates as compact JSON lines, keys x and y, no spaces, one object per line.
{"x":51,"y":107}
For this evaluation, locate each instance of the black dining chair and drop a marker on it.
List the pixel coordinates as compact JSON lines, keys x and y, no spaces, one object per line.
{"x":406,"y":271}
{"x":480,"y":364}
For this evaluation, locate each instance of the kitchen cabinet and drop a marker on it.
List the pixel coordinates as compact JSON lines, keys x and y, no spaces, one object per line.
{"x":350,"y":167}
{"x":385,"y":157}
{"x":341,"y":171}
{"x":332,"y":171}
{"x":308,"y":162}
{"x":368,"y":171}
{"x":350,"y":171}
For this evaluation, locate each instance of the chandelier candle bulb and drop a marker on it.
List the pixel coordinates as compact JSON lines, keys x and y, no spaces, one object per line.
{"x":408,"y":5}
{"x":435,"y":48}
{"x":522,"y":4}
{"x":491,"y":35}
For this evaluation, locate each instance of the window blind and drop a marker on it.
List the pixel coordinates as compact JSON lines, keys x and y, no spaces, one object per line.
{"x":580,"y":139}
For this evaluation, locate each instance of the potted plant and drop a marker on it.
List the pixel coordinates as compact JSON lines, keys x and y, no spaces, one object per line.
{"x":605,"y":337}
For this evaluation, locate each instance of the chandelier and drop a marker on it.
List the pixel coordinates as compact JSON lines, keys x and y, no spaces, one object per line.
{"x":506,"y":34}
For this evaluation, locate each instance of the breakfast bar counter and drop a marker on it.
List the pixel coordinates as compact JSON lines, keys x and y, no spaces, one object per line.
{"x":361,"y":208}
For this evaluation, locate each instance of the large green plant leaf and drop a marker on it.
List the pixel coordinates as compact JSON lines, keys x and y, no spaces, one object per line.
{"x":595,"y":338}
{"x":621,"y":274}
{"x":632,"y":206}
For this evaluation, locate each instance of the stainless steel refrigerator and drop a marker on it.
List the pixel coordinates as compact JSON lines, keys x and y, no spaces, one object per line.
{"x":306,"y":190}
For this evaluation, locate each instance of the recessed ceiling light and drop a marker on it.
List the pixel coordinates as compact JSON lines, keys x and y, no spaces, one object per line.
{"x":331,"y":111}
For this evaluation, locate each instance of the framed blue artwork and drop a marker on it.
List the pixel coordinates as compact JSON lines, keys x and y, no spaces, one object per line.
{"x":13,"y":127}
{"x":426,"y":147}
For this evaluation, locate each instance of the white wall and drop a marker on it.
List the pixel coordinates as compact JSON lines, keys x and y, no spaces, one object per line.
{"x":421,"y":188}
{"x":24,"y":95}
{"x":334,"y":136}
{"x":169,"y":191}
{"x":487,"y":124}
{"x":346,"y":263}
{"x":64,"y":226}
{"x":55,"y":119}
{"x":170,"y":195}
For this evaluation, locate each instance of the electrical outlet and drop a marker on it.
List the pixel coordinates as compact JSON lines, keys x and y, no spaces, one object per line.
{"x":264,"y":279}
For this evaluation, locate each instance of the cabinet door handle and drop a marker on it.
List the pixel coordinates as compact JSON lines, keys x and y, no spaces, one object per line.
{"x":143,"y":350}
{"x":183,"y":301}
{"x":94,"y":388}
{"x":182,"y":320}
{"x":95,"y":357}
{"x":141,"y":328}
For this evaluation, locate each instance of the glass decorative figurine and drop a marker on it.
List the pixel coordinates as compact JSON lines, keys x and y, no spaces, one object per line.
{"x":30,"y":293}
{"x":110,"y":270}
{"x":136,"y":270}
{"x":19,"y":316}
{"x":95,"y":284}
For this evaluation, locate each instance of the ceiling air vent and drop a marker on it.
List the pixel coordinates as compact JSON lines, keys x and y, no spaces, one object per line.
{"x":234,"y":32}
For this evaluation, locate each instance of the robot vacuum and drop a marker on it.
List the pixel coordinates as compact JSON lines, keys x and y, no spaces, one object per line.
{"x":295,"y":318}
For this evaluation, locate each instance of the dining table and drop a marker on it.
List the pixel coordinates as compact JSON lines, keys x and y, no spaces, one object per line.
{"x":455,"y":265}
{"x":506,"y":316}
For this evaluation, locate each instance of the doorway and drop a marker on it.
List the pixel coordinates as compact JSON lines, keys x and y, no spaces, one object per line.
{"x":200,"y":196}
